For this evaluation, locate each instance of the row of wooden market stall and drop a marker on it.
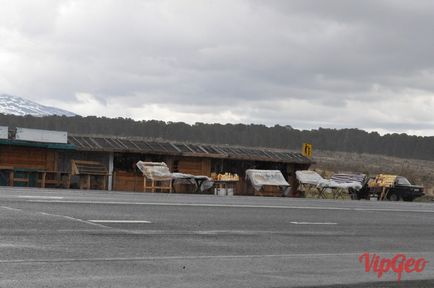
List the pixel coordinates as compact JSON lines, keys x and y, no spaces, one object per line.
{"x":41,"y":158}
{"x":157,"y":177}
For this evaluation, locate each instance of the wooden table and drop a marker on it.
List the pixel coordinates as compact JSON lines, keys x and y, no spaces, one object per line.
{"x":42,"y":178}
{"x":54,"y":178}
{"x":198,"y":181}
{"x":225,"y":185}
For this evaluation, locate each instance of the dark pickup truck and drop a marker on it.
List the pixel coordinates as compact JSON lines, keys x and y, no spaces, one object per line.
{"x":389,"y":187}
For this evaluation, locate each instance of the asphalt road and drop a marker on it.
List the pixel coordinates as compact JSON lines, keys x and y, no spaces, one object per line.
{"x":72,"y":238}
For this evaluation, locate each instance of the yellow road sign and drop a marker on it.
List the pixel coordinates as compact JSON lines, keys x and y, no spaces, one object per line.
{"x":307,"y":150}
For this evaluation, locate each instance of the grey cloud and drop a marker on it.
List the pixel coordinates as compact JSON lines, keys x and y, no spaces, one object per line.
{"x":226,"y":55}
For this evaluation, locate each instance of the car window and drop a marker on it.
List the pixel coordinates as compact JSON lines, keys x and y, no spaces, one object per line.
{"x":402,"y":181}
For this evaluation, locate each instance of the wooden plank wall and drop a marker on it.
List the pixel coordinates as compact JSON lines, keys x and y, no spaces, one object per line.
{"x":195,"y":166}
{"x":127,"y":181}
{"x":28,"y":157}
{"x":243,"y":188}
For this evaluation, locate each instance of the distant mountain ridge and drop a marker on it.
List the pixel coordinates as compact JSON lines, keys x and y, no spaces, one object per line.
{"x":14,"y":105}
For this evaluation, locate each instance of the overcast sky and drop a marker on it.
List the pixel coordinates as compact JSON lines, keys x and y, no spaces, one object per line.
{"x":308,"y":64}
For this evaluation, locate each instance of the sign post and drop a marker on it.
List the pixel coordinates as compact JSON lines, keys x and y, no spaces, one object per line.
{"x":307,"y":150}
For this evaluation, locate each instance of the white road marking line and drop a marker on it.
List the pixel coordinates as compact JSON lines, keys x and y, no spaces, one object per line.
{"x":231,"y":206}
{"x":10,"y":208}
{"x":74,"y":219}
{"x":314,"y":223}
{"x":200,"y":257}
{"x":120,"y":221}
{"x":39,"y":196}
{"x":61,"y":216}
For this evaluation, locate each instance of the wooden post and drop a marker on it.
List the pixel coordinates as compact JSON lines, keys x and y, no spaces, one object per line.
{"x":110,"y":171}
{"x":383,"y":192}
{"x":114,"y":180}
{"x":11,"y":178}
{"x":292,"y":180}
{"x":44,"y":174}
{"x":104,"y":185}
{"x":88,"y":182}
{"x":56,"y":159}
{"x":68,"y":181}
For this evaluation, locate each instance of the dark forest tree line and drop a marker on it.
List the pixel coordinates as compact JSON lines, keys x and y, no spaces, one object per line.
{"x":347,"y":140}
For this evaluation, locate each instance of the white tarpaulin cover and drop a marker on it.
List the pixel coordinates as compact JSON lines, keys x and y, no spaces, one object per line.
{"x":189,"y":176}
{"x":155,"y":170}
{"x":206,"y":182}
{"x":259,"y":178}
{"x":182,"y":176}
{"x":309,"y":177}
{"x":350,"y":180}
{"x":332,"y":184}
{"x":313,"y":178}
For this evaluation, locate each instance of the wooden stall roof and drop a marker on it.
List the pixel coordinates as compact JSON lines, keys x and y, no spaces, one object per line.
{"x":140,"y":145}
{"x":13,"y":142}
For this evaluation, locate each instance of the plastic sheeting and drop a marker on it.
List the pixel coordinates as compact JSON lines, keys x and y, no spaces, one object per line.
{"x":260,"y":178}
{"x":177,"y":176}
{"x":313,"y":178}
{"x":332,"y":184}
{"x":181,"y":178}
{"x":350,"y":180}
{"x":309,"y":177}
{"x":206,"y":185}
{"x":205,"y":182}
{"x":155,"y":170}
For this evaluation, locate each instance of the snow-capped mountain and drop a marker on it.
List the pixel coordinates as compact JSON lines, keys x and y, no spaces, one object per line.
{"x":19,"y":106}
